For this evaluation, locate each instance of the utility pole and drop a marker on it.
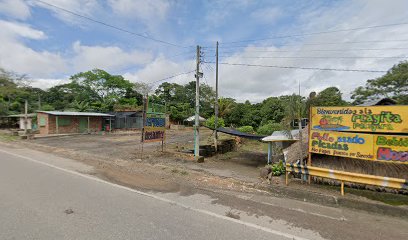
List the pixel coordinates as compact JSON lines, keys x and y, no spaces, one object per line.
{"x":216,"y":100}
{"x":25,"y":117}
{"x":197,"y":108}
{"x":39,"y":102}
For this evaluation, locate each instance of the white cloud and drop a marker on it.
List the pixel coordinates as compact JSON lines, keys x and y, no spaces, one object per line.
{"x":267,"y":15}
{"x":17,"y":9}
{"x":22,"y":30}
{"x":141,"y":9}
{"x":162,"y":68}
{"x":108,"y":58}
{"x":256,"y":83}
{"x":45,"y":83}
{"x":16,"y":56}
{"x":84,"y":7}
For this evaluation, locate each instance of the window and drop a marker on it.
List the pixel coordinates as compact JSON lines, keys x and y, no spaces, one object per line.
{"x":42,"y":121}
{"x":64,"y":121}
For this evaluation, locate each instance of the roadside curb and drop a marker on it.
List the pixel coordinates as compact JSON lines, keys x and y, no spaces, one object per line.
{"x":337,"y":201}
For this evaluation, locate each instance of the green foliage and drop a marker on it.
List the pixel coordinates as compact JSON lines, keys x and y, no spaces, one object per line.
{"x":180,"y":111}
{"x":269,"y":128}
{"x":394,"y":84}
{"x":246,"y":129}
{"x":210,"y":122}
{"x":330,"y":96}
{"x":277,"y":168}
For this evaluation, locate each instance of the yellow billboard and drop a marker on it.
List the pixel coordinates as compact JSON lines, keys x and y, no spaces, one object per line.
{"x":351,"y":145}
{"x":390,"y":119}
{"x":390,"y":148}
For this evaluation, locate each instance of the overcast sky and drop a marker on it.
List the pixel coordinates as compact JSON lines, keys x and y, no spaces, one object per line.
{"x":49,"y":45}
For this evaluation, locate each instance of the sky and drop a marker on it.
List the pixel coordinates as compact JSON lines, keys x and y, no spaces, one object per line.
{"x":158,"y":40}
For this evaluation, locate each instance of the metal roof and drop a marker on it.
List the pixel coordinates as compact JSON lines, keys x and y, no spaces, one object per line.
{"x":378,"y":101}
{"x":87,"y":114}
{"x":23,"y":115}
{"x":280,"y":136}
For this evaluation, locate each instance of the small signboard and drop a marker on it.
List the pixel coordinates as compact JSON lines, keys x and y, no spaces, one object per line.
{"x":155,"y":127}
{"x":390,"y":148}
{"x":384,"y":119}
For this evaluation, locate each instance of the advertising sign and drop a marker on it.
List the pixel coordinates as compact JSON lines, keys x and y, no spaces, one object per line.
{"x":155,"y":127}
{"x":391,"y":148}
{"x":390,"y":119}
{"x":342,"y":144}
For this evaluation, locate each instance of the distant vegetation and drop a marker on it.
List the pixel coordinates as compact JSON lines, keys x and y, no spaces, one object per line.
{"x":99,"y":91}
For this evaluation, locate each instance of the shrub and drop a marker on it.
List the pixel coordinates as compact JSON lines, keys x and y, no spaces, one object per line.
{"x":277,"y":168}
{"x":210,"y":122}
{"x":246,"y":129}
{"x":269,"y":128}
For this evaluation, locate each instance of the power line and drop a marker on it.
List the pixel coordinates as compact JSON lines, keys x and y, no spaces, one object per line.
{"x":318,"y":33}
{"x":303,"y":68}
{"x":314,"y":44}
{"x":317,"y":57}
{"x":320,"y":50}
{"x":173,"y":76}
{"x":109,"y":25}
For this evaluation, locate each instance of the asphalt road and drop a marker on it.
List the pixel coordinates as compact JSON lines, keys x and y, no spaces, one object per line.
{"x":38,"y":201}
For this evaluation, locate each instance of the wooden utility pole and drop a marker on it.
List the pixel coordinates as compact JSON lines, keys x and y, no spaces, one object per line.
{"x":216,"y":100}
{"x":25,"y":117}
{"x":197,"y":108}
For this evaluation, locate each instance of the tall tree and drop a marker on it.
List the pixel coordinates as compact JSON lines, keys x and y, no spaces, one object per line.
{"x":100,"y":89}
{"x":394,"y":84}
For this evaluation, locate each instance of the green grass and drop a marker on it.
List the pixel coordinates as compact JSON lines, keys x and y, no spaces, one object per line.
{"x":387,"y":198}
{"x":7,"y":138}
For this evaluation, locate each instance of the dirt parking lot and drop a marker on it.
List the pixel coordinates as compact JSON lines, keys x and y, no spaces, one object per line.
{"x":242,"y":164}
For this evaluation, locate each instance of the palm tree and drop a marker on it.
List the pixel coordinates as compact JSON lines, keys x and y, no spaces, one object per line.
{"x":225,"y":106}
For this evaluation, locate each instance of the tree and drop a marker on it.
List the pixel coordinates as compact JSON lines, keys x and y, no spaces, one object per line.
{"x":100,"y":89}
{"x":330,"y":96}
{"x":394,"y":84}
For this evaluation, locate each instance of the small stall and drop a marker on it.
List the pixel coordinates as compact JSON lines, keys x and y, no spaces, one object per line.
{"x":280,"y":139}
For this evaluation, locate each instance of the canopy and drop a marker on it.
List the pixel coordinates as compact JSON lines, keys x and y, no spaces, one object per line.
{"x":192,"y":119}
{"x":281,"y":136}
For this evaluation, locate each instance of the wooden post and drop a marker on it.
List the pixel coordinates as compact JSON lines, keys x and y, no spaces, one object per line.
{"x":56,"y":124}
{"x":309,"y":159}
{"x":88,"y":126}
{"x":110,"y":124}
{"x":287,"y":176}
{"x":342,"y":188}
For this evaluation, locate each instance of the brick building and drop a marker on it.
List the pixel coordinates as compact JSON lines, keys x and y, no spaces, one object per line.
{"x":53,"y":122}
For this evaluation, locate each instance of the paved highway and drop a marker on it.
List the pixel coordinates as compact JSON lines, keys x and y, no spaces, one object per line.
{"x":39,"y":201}
{"x":43,"y":196}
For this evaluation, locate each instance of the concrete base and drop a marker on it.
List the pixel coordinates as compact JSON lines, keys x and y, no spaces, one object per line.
{"x":199,"y":159}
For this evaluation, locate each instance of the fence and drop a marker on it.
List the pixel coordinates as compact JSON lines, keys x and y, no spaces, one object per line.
{"x":346,"y":177}
{"x":128,"y":123}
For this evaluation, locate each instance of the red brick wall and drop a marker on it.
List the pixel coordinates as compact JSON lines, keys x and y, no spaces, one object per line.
{"x":95,"y":124}
{"x":42,"y":129}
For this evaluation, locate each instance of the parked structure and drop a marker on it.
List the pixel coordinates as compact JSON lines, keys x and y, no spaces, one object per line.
{"x":31,"y":124}
{"x":127,"y":120}
{"x":54,"y":122}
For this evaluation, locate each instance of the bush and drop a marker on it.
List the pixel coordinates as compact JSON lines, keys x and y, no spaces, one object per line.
{"x":210,"y":122}
{"x":269,"y":128}
{"x":277,"y":168}
{"x":246,"y":129}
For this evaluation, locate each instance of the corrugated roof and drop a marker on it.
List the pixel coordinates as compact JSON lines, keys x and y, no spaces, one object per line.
{"x":378,"y":101}
{"x":87,"y":114}
{"x":23,"y":115}
{"x":280,"y":136}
